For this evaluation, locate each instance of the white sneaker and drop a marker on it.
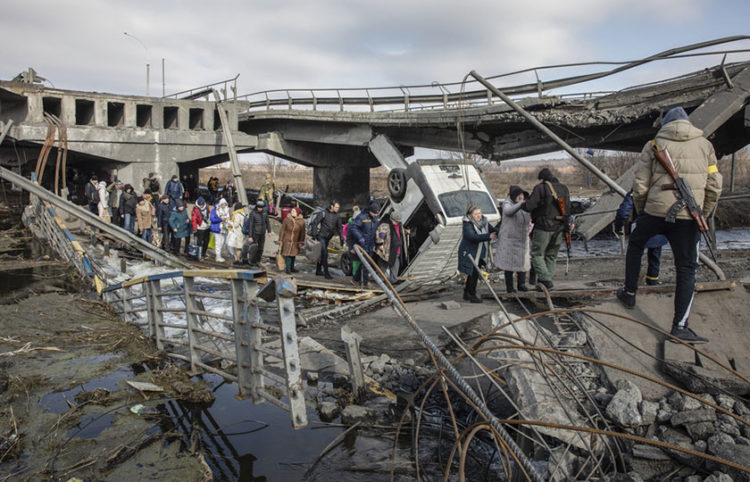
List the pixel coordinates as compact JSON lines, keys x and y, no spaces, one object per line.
{"x":220,"y":260}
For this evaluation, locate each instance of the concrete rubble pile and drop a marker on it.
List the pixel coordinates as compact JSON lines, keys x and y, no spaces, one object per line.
{"x":685,"y":422}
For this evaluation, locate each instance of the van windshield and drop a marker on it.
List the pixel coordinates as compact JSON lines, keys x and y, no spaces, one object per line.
{"x":456,"y":203}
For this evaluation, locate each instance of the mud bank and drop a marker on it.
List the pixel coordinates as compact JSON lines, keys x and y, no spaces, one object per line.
{"x":65,"y":360}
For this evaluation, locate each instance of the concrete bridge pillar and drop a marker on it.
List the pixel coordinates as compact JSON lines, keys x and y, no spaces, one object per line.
{"x":347,"y":184}
{"x":135,"y":172}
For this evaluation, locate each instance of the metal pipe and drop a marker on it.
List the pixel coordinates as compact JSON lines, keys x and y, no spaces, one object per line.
{"x":236,"y":173}
{"x":450,"y":370}
{"x":545,"y":130}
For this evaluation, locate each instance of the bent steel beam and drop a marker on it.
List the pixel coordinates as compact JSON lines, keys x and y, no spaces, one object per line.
{"x":93,"y":220}
{"x":227,"y":128}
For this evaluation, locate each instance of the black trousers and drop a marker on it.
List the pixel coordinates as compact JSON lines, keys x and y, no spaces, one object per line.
{"x":323,"y":263}
{"x":166,"y":237}
{"x":684,"y":238}
{"x":471,"y":282}
{"x":201,"y":237}
{"x":176,"y":244}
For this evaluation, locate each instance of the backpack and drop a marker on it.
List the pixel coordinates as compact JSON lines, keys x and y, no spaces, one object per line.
{"x":313,"y":227}
{"x":154,"y":186}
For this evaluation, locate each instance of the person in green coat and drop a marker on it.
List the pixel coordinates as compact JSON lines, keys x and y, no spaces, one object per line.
{"x":180,"y":223}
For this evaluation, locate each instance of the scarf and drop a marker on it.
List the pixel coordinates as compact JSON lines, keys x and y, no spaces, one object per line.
{"x":481,"y":227}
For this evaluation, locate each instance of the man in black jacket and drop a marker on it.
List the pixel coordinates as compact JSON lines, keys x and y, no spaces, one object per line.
{"x":255,"y":227}
{"x":549,"y":224}
{"x":330,"y":226}
{"x":92,"y":195}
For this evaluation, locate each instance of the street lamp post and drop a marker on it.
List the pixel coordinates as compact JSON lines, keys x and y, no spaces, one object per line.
{"x":148,"y":66}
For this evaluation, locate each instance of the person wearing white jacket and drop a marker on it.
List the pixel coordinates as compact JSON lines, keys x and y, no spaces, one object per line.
{"x":103,"y":204}
{"x":220,"y":227}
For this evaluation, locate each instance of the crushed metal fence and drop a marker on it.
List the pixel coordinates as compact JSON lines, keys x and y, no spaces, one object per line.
{"x":210,"y":319}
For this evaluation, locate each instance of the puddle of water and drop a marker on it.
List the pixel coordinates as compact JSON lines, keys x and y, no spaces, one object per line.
{"x":248,"y":442}
{"x":91,"y":425}
{"x":725,"y":239}
{"x":56,"y":402}
{"x":15,"y":279}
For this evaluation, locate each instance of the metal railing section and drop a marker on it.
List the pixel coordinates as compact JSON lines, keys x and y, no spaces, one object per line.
{"x":44,"y":222}
{"x":225,"y":87}
{"x":463,"y":94}
{"x":211,"y":319}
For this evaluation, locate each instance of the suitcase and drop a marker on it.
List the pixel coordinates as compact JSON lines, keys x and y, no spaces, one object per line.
{"x":252,"y":250}
{"x":194,"y":252}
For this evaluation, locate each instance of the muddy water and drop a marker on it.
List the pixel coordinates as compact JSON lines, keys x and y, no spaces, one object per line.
{"x":609,"y":245}
{"x":249,"y":442}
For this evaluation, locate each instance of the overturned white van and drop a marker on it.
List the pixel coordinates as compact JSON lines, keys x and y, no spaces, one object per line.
{"x":432,"y":196}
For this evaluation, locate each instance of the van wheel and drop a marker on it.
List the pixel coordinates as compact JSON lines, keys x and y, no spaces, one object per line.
{"x":397,"y":184}
{"x":346,"y":263}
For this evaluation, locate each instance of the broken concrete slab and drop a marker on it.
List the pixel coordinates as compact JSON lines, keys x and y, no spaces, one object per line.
{"x":623,"y":408}
{"x":649,"y":452}
{"x":693,"y":416}
{"x":699,"y":379}
{"x":354,"y":413}
{"x":533,"y":393}
{"x":328,"y":411}
{"x":450,"y":305}
{"x":679,"y":352}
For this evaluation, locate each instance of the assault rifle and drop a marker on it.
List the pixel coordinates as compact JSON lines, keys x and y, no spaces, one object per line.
{"x":565,"y":218}
{"x":685,"y":196}
{"x":566,"y":229}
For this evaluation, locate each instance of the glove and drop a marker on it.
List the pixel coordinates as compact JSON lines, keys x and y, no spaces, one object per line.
{"x":361,"y":241}
{"x":381,"y":235}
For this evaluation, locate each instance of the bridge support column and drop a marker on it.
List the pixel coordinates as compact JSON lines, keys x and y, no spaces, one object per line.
{"x":346,"y":184}
{"x":135,"y":172}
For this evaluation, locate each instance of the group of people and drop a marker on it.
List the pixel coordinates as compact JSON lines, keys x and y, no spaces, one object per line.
{"x":654,"y":208}
{"x":383,"y":238}
{"x":516,"y":248}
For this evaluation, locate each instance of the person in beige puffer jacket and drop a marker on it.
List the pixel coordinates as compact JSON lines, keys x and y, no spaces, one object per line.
{"x":654,"y":194}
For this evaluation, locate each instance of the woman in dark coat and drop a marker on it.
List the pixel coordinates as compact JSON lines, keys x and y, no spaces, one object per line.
{"x":128,"y":203}
{"x":477,"y":232}
{"x":181,"y":226}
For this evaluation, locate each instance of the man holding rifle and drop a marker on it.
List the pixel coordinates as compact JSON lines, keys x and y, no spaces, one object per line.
{"x":549,"y":205}
{"x":676,"y":184}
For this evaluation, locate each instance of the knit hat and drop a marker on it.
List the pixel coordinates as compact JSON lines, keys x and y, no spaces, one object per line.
{"x":677,"y":113}
{"x":200,"y":201}
{"x":179,"y":204}
{"x":297,"y":211}
{"x":396,"y":216}
{"x":374,"y":207}
{"x":545,"y":175}
{"x":260,"y":204}
{"x":515,"y":191}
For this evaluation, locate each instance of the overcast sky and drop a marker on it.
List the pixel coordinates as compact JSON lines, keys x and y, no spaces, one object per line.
{"x":80,"y":44}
